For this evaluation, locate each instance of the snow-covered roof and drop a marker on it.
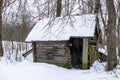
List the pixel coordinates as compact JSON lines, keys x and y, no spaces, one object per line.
{"x":62,"y":28}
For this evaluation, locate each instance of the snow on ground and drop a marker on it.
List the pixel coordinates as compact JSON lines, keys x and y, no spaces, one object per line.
{"x":27,"y":70}
{"x":41,"y":71}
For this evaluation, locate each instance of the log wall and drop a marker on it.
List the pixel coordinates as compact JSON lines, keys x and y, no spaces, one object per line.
{"x":51,"y":52}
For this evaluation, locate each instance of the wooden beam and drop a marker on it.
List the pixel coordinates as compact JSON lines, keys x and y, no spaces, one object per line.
{"x":85,"y":54}
{"x":27,"y":53}
{"x":34,"y":52}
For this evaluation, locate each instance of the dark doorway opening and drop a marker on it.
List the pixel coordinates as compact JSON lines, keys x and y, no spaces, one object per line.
{"x":76,"y":50}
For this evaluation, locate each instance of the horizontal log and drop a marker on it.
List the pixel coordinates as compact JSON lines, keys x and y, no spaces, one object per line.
{"x":55,"y":55}
{"x":54,"y":60}
{"x":27,"y":53}
{"x":55,"y":51}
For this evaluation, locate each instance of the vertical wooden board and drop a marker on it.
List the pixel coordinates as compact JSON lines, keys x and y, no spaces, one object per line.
{"x":91,"y":54}
{"x":34,"y":52}
{"x":85,"y":54}
{"x":95,"y":54}
{"x":67,"y":51}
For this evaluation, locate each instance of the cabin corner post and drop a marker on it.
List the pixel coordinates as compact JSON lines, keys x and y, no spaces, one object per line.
{"x":85,"y":54}
{"x":34,"y":52}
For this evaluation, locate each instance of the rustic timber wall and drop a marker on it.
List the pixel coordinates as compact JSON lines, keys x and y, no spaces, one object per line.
{"x":58,"y":52}
{"x":51,"y":52}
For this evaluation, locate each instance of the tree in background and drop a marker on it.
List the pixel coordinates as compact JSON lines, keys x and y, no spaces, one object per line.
{"x":111,"y":35}
{"x":17,"y":20}
{"x":118,"y":28}
{"x":1,"y":48}
{"x":58,"y":11}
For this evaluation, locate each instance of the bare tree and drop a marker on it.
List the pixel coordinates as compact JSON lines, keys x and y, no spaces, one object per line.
{"x":90,"y":6}
{"x":58,"y":11}
{"x":1,"y":48}
{"x":111,"y":36}
{"x":118,"y":28}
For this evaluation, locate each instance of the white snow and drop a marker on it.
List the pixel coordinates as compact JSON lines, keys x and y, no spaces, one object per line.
{"x":52,"y":29}
{"x":42,"y":71}
{"x":27,"y":70}
{"x":103,"y":51}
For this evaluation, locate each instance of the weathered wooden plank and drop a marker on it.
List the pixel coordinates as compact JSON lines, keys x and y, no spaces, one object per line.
{"x":34,"y":52}
{"x":59,"y":58}
{"x":58,"y":49}
{"x":51,"y":51}
{"x":27,"y":53}
{"x":51,"y":47}
{"x":51,"y":61}
{"x":50,"y":43}
{"x":85,"y":54}
{"x":56,"y":59}
{"x":46,"y":51}
{"x":55,"y":55}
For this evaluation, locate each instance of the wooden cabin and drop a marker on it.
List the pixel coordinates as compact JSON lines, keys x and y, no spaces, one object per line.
{"x":61,"y":40}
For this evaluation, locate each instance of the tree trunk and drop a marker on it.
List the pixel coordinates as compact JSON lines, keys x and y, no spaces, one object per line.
{"x":97,"y":6}
{"x":67,"y":7}
{"x":48,"y":8}
{"x":97,"y":27}
{"x":58,"y":11}
{"x":1,"y":48}
{"x":119,"y":36}
{"x":111,"y":36}
{"x":119,"y":29}
{"x":90,"y":6}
